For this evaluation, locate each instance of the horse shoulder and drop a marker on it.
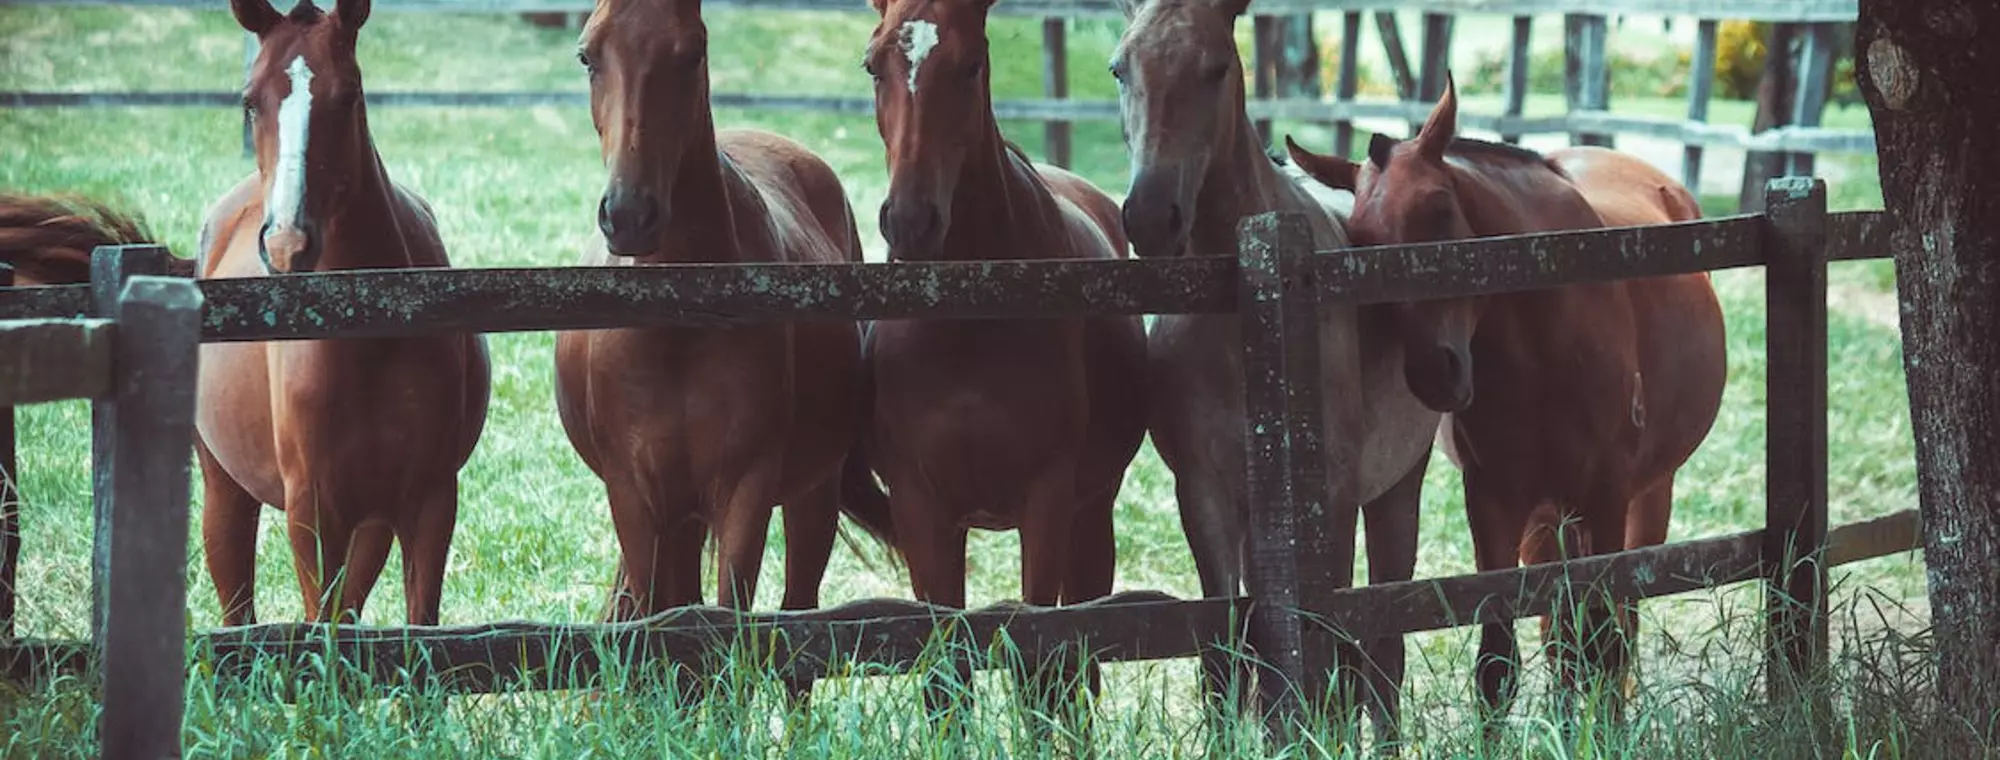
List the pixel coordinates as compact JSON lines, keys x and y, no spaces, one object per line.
{"x":419,"y":227}
{"x":802,"y":195}
{"x":221,"y":220}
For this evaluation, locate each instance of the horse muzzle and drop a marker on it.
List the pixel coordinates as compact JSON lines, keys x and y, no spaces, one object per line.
{"x":1157,"y":217}
{"x":1440,"y":377}
{"x":631,"y":221}
{"x":288,"y":248}
{"x":914,"y":230}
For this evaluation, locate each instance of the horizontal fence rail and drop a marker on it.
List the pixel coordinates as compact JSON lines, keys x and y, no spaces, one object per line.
{"x":54,"y":360}
{"x":892,"y":633}
{"x":1759,"y":10}
{"x":380,"y":303}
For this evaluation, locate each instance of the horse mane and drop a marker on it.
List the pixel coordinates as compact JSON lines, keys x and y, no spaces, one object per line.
{"x":305,"y":13}
{"x":1469,"y":147}
{"x":48,"y":239}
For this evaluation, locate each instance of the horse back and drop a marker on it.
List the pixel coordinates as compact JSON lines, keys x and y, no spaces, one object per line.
{"x":808,"y":207}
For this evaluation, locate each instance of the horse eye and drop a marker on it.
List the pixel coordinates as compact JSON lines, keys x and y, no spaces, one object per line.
{"x":1117,"y":71}
{"x":583,"y":59}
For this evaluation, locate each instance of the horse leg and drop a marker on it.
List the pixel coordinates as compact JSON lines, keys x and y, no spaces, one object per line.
{"x":365,"y":558}
{"x":1496,"y":543}
{"x":933,"y":545}
{"x":229,"y":538}
{"x":320,"y":540}
{"x":1392,"y":557}
{"x":740,"y":536}
{"x":1645,"y":525}
{"x":1049,"y":520}
{"x":1212,"y":520}
{"x":1093,"y":555}
{"x":426,"y":535}
{"x":660,"y":556}
{"x":1608,"y":641}
{"x":810,"y":523}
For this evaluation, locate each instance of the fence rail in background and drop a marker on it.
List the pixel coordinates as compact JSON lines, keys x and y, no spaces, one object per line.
{"x":1589,"y":119}
{"x":1795,"y":241}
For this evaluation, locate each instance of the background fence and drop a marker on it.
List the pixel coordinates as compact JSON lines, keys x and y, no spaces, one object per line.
{"x":1276,"y":283}
{"x":1804,"y":39}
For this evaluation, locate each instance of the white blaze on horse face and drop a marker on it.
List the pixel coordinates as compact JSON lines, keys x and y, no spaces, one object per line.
{"x":288,"y":187}
{"x":918,"y":37}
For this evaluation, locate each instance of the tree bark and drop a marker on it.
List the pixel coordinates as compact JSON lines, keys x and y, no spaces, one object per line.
{"x":1927,"y":73}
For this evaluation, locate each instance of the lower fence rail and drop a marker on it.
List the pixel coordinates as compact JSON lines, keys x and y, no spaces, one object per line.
{"x":894,"y":636}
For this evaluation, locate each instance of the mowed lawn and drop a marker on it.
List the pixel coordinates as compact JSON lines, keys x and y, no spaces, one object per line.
{"x":518,"y":188}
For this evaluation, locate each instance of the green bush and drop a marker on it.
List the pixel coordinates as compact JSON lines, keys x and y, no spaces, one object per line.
{"x":1632,"y":74}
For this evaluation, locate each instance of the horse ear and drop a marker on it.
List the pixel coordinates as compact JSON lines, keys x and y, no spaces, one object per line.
{"x":255,"y":16}
{"x":1331,"y":171}
{"x":1232,"y":8}
{"x":1379,"y":147}
{"x":1442,"y":126}
{"x":352,"y":13}
{"x":881,"y":7}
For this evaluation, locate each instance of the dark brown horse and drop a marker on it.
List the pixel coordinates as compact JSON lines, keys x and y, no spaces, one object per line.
{"x":1589,"y":397}
{"x":995,"y":424}
{"x":1198,"y":168}
{"x":706,"y":429}
{"x":356,"y":440}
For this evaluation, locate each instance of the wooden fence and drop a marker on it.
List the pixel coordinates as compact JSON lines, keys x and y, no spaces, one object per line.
{"x":1587,"y":84}
{"x":135,"y":358}
{"x":1276,"y":283}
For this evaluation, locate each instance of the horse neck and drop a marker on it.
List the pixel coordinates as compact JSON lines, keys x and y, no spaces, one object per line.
{"x":998,"y":198}
{"x":1513,"y":197}
{"x":702,"y":212}
{"x":1240,"y":181}
{"x":361,"y":229}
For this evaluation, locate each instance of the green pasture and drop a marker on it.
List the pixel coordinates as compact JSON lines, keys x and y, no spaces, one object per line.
{"x":534,"y":540}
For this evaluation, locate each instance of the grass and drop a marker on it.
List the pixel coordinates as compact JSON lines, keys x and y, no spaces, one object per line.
{"x":517,"y":187}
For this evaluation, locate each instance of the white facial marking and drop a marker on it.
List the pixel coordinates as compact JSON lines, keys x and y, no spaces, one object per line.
{"x":918,"y":37}
{"x":288,"y":188}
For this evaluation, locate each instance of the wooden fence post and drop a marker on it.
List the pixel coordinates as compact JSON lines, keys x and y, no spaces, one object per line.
{"x":1437,"y":56}
{"x":1347,"y":80}
{"x":1287,"y":479}
{"x":1587,"y":73}
{"x":10,"y":506}
{"x":250,"y":46}
{"x":110,"y":267}
{"x":1518,"y":59}
{"x":1795,"y":501}
{"x":1701,"y":85}
{"x":1813,"y":85}
{"x":1399,"y":60}
{"x":144,"y":659}
{"x":1055,"y":86}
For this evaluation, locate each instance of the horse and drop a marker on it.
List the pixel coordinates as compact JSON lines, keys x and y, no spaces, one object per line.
{"x":357,"y":441}
{"x":47,"y":239}
{"x":1199,"y":167}
{"x":1000,"y":424}
{"x":699,"y":429}
{"x":1589,"y":397}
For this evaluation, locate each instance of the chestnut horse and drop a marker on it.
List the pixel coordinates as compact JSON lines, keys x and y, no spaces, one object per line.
{"x":694,"y":429}
{"x":355,"y":440}
{"x":1198,"y":168}
{"x":995,"y":424}
{"x":1589,"y":397}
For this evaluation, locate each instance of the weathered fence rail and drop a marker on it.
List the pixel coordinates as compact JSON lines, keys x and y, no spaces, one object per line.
{"x":1588,"y":119}
{"x":1277,"y":283}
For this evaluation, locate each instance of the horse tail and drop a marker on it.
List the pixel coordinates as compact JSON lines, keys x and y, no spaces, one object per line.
{"x":48,"y":239}
{"x":864,"y":501}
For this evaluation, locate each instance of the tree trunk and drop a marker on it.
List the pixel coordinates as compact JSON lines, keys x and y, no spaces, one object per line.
{"x":1928,"y":76}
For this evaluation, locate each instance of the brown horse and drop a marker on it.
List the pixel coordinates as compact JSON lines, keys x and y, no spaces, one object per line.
{"x":1589,"y":397}
{"x":1198,"y":168}
{"x":700,"y":429}
{"x":995,"y":424}
{"x":356,"y":440}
